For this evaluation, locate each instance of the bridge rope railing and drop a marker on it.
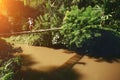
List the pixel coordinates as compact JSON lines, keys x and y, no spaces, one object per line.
{"x":30,"y":32}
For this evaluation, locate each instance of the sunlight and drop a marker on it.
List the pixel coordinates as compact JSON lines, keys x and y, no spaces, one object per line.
{"x":4,"y":26}
{"x":2,"y":8}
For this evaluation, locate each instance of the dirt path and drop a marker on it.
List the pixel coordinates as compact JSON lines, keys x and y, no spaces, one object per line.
{"x":42,"y":63}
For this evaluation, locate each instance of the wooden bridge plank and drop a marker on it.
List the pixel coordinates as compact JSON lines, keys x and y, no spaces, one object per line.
{"x":30,"y":32}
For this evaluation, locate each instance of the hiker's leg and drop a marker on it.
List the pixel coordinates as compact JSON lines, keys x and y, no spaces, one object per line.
{"x":30,"y":27}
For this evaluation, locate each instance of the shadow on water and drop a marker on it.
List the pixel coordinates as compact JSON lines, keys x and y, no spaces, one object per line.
{"x":64,"y":72}
{"x":104,"y":45}
{"x":49,"y":75}
{"x":27,"y":60}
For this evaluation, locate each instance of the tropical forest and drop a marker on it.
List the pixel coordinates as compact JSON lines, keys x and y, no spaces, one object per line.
{"x":59,"y":40}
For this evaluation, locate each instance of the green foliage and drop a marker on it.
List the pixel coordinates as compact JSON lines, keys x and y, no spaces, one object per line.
{"x":84,"y":30}
{"x":72,"y":15}
{"x":110,"y":11}
{"x":39,"y":39}
{"x":51,"y":16}
{"x":45,"y":21}
{"x":8,"y":76}
{"x":8,"y":65}
{"x":112,"y":7}
{"x":51,"y":19}
{"x":74,"y":22}
{"x":110,"y":16}
{"x":9,"y":68}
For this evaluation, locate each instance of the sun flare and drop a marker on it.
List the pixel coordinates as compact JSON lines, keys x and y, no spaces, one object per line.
{"x":2,"y":7}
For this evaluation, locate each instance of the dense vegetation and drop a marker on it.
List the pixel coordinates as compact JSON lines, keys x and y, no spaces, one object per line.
{"x":76,"y":17}
{"x":9,"y":65}
{"x":91,"y":27}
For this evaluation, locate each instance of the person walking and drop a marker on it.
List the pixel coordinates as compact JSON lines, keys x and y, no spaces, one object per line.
{"x":30,"y":22}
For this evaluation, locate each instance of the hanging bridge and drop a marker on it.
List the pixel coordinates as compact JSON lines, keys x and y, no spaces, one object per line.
{"x":30,"y":32}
